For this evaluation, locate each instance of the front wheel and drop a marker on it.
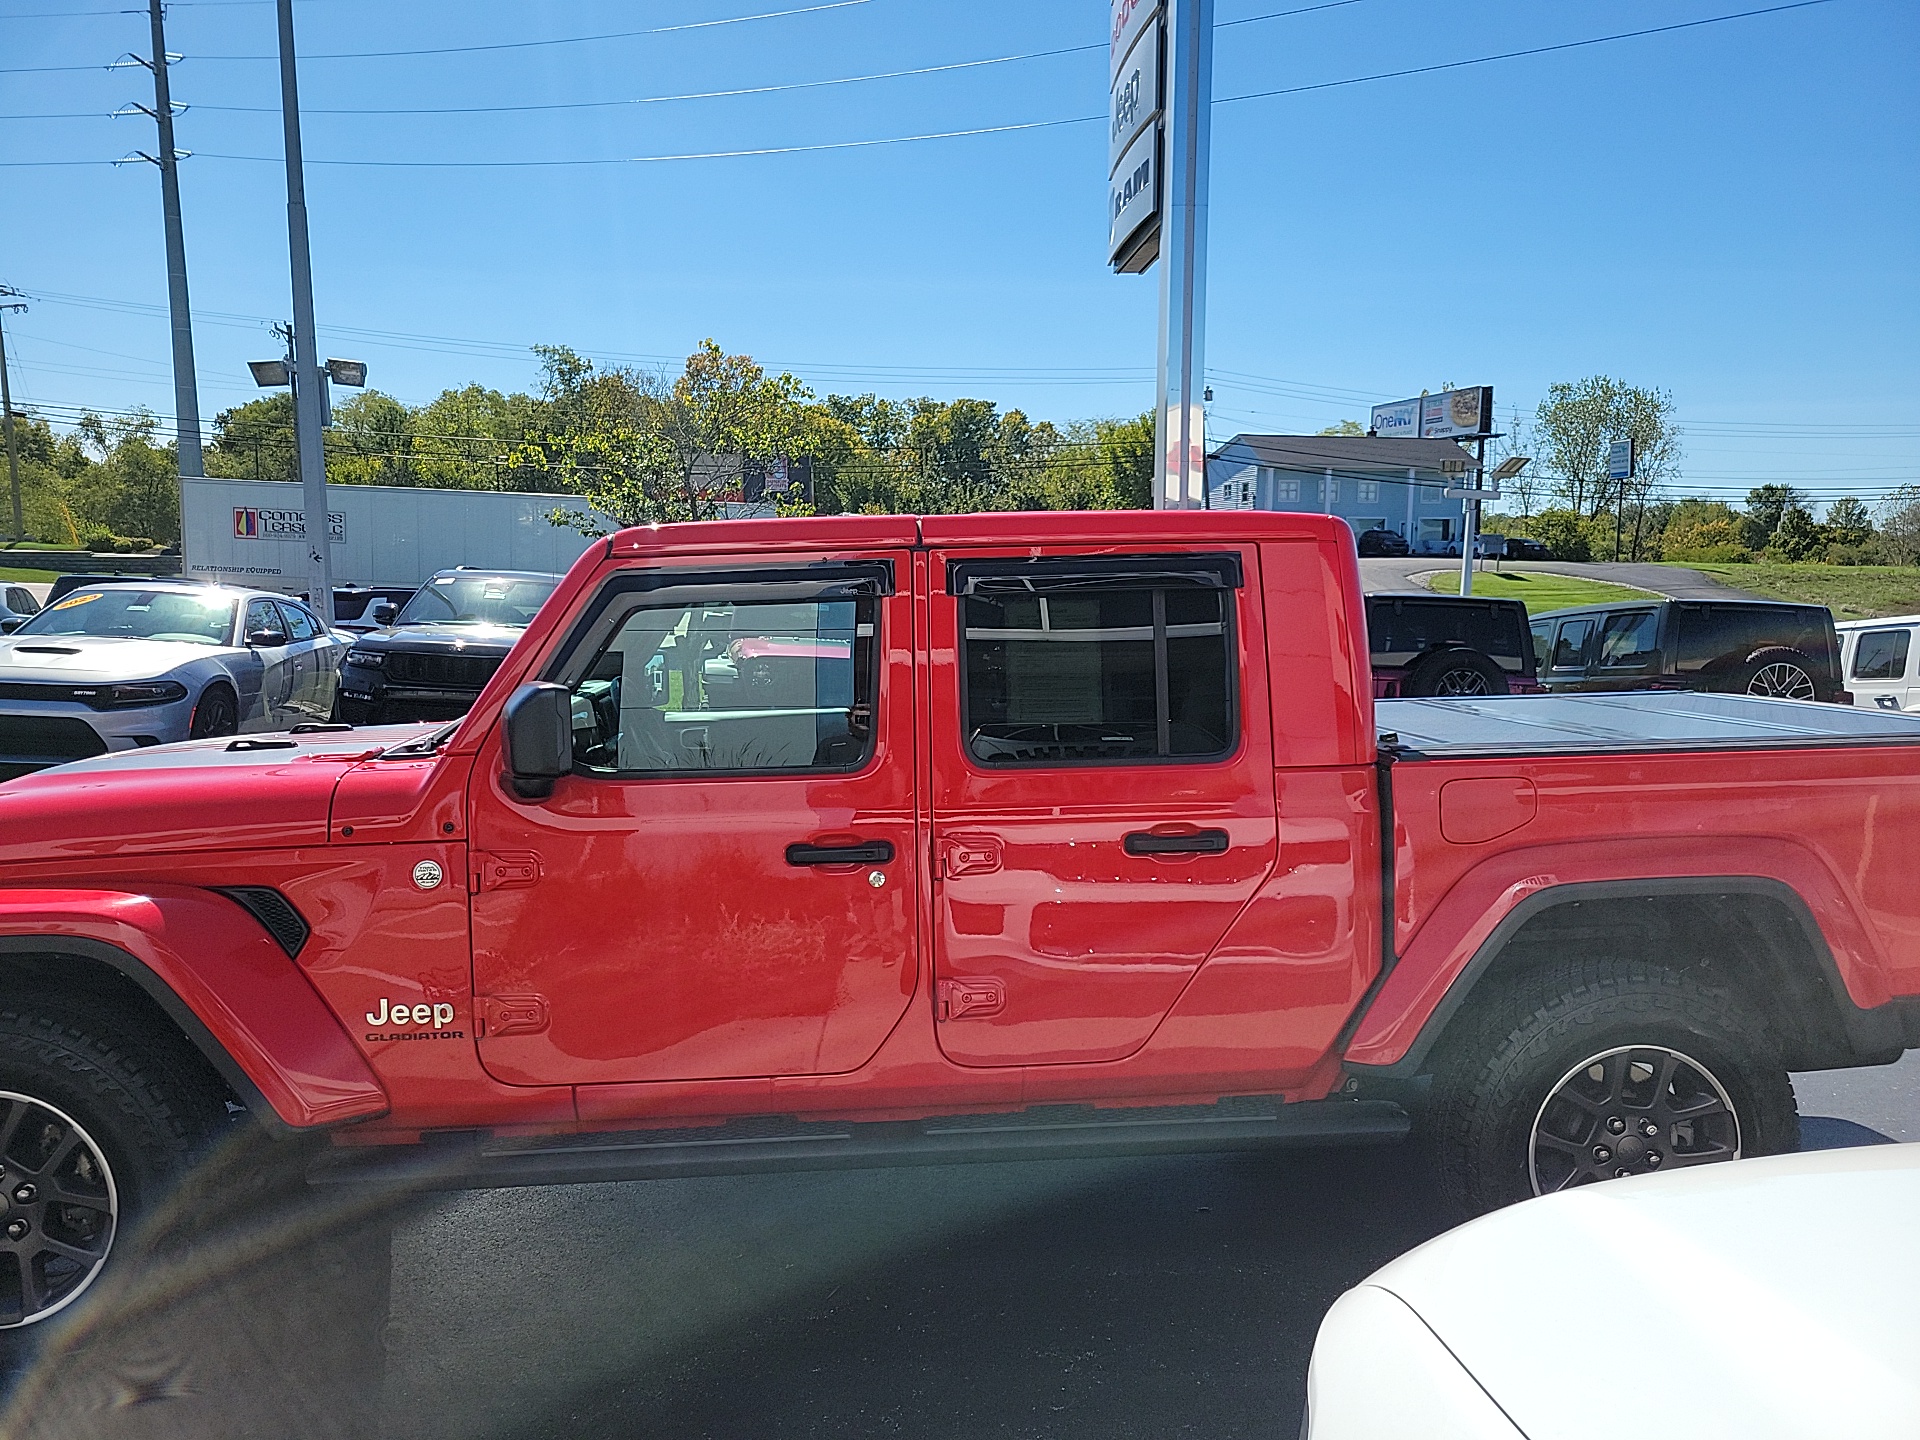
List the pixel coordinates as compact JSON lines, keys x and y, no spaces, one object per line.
{"x":216,"y":713}
{"x":1602,"y":1070}
{"x":92,"y":1130}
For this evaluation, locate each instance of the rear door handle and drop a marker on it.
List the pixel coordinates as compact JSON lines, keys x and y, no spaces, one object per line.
{"x":1197,"y":842}
{"x":863,"y":852}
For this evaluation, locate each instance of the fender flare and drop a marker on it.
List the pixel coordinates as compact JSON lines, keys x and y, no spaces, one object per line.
{"x":1468,"y":928}
{"x":238,"y":998}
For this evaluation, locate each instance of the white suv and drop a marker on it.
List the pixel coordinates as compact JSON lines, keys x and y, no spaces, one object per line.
{"x":1878,"y":659}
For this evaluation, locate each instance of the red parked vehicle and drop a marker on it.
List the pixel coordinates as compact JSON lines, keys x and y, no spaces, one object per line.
{"x":1049,"y":835}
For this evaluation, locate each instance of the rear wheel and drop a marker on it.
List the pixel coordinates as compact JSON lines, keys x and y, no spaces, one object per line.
{"x":1779,"y":673}
{"x":1455,"y":673}
{"x":92,"y":1131}
{"x":1600,"y":1070}
{"x":217,"y":713}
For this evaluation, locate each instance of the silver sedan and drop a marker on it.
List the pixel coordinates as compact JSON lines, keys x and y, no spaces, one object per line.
{"x":118,"y":667}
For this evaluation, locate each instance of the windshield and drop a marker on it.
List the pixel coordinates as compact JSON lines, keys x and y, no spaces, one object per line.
{"x":197,"y":617}
{"x":476,"y":600}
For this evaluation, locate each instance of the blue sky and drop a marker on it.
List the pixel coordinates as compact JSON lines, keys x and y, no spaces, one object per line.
{"x":1730,"y":211}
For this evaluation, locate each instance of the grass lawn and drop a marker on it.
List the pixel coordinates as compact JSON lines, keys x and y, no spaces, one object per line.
{"x":29,"y":577}
{"x":1537,"y":591}
{"x":33,"y":545}
{"x":1852,"y":592}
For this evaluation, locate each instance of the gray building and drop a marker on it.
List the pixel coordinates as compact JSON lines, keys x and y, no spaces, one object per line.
{"x":1370,"y":483}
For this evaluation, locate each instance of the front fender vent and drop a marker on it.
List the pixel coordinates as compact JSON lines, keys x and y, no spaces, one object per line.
{"x":275,"y":913}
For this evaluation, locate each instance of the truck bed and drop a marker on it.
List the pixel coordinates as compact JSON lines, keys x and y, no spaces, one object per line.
{"x":1638,"y":721}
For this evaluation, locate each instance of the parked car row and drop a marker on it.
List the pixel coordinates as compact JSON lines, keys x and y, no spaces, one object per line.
{"x":1381,"y":541}
{"x":126,"y":662}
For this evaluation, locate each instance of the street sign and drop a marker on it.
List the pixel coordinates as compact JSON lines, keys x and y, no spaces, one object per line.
{"x":1133,"y":200}
{"x":1472,"y":492}
{"x":1620,"y":460}
{"x":1134,"y":102}
{"x":1448,"y":415}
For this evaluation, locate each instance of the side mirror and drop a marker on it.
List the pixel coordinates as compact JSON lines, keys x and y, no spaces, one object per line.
{"x":539,"y":721}
{"x":385,"y":612}
{"x":11,"y":624}
{"x":267,"y":639}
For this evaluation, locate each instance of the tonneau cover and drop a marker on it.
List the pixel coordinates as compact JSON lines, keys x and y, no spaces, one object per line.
{"x":1640,"y":720}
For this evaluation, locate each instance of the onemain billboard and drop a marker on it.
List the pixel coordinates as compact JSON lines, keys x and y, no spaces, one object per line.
{"x":245,"y":530}
{"x":1448,"y":415}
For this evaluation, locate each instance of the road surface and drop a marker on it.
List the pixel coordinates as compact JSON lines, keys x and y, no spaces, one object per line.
{"x":1053,"y":1300}
{"x":1397,"y":573}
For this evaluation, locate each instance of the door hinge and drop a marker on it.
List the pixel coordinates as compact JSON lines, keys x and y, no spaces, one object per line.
{"x":512,"y":1015}
{"x":966,"y":855}
{"x":958,"y":999}
{"x":502,"y":870}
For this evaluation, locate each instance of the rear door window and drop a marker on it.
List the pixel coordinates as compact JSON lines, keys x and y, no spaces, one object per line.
{"x":1723,"y":635}
{"x":1570,"y":644}
{"x":1881,"y":654}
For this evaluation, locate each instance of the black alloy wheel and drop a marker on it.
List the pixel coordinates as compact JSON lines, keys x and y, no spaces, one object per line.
{"x":59,"y":1209}
{"x":217,"y":713}
{"x":1586,"y":1067}
{"x":1632,"y":1110}
{"x":1781,"y":680}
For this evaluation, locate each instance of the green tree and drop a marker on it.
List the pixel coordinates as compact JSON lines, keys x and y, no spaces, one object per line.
{"x":1576,"y":424}
{"x":1343,"y":427}
{"x":1899,"y":538}
{"x":1797,"y":537}
{"x":1849,"y":522}
{"x":1766,"y":506}
{"x":255,"y":441}
{"x":132,"y":489}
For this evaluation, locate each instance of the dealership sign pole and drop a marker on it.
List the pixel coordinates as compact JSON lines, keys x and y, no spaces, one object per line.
{"x":1158,"y":142}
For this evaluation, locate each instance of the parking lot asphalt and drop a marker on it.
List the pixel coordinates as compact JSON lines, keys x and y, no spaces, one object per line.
{"x":1112,"y":1298}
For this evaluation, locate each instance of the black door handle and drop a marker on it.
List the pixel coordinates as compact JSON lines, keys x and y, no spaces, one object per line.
{"x":1199,"y":842}
{"x":863,"y":852}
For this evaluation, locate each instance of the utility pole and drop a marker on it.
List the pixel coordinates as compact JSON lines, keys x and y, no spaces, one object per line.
{"x":6,"y":411}
{"x":186,"y":394}
{"x":305,"y":370}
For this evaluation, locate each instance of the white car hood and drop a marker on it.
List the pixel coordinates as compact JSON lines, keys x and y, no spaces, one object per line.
{"x":1763,"y":1298}
{"x":77,"y":659}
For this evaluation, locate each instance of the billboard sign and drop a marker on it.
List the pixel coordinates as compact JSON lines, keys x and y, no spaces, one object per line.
{"x":1449,"y":415}
{"x":255,"y":523}
{"x":1134,"y":102}
{"x":1133,"y":193}
{"x":1620,"y":460}
{"x":1398,"y":421}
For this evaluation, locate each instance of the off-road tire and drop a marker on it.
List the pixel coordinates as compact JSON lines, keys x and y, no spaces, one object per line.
{"x":1493,"y":1077}
{"x":1781,"y":672}
{"x":1457,"y":672}
{"x":147,"y":1111}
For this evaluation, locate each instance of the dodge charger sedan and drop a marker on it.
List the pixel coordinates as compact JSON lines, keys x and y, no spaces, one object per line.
{"x":117,"y":667}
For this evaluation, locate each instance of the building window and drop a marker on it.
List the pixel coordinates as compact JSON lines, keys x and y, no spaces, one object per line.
{"x":1369,"y":492}
{"x":1285,"y":487}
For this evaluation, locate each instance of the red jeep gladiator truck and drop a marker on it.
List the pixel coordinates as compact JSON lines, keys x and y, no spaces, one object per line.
{"x":844,"y":841}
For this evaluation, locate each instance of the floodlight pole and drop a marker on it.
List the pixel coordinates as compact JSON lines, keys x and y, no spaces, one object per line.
{"x":309,"y":438}
{"x":1179,"y":416}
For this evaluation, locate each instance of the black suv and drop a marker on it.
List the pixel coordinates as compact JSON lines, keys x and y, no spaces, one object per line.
{"x":436,"y":657}
{"x":1439,"y":645}
{"x":1737,"y":647}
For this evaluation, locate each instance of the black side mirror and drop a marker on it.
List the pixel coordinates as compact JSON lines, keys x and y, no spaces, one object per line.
{"x":11,"y":624}
{"x":539,"y":723}
{"x":384,"y":612}
{"x":267,"y":639}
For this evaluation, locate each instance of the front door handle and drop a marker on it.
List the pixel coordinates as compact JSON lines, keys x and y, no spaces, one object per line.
{"x":1196,"y":842}
{"x":861,"y":852}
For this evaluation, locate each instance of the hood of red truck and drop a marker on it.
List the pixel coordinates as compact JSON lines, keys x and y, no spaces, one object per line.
{"x":231,"y":793}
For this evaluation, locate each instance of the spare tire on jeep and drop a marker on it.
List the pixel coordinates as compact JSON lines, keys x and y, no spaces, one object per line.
{"x":1455,"y":671}
{"x":1777,"y":672}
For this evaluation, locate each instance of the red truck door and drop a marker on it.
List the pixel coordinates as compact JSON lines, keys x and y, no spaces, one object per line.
{"x":725,"y":886}
{"x":1102,"y":791}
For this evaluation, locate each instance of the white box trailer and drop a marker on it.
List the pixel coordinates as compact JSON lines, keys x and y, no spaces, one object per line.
{"x":254,"y":532}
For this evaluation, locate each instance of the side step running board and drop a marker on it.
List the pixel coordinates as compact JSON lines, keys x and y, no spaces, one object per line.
{"x":778,"y":1144}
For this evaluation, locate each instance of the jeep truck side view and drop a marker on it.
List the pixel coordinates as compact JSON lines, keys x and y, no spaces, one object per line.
{"x":795,"y":843}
